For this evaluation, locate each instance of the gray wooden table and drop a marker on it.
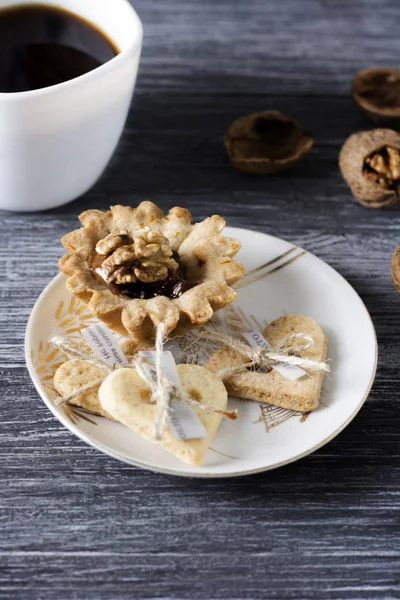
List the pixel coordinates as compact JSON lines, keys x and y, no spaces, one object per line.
{"x":76,"y":524}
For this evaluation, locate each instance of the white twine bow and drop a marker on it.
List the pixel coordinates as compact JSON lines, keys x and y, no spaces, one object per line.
{"x":164,"y":390}
{"x":263,"y":358}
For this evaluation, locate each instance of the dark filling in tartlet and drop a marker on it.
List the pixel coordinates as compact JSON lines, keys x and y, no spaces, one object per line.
{"x":173,"y":286}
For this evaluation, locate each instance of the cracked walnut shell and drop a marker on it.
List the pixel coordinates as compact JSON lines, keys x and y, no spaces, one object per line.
{"x":136,"y":268}
{"x":266,"y":142}
{"x":377,"y":93}
{"x":370,"y":164}
{"x":395,"y":268}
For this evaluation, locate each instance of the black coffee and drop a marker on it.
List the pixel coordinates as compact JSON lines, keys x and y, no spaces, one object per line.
{"x":42,"y":45}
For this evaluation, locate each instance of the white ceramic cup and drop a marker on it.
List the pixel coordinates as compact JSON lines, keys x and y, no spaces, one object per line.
{"x":55,"y":142}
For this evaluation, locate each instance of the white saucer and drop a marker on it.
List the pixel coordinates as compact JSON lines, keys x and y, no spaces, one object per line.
{"x":264,"y":437}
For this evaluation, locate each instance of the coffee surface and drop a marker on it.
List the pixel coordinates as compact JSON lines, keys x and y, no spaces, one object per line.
{"x":42,"y":46}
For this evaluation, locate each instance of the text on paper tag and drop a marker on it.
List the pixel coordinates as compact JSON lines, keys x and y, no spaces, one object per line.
{"x":103,"y":343}
{"x":257,"y":340}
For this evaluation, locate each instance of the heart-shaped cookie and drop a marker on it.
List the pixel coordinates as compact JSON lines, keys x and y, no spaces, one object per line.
{"x":75,"y":374}
{"x":303,"y":394}
{"x":126,"y":397}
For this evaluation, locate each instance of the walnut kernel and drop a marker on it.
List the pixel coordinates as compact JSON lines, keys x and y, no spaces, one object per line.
{"x":384,"y":166}
{"x":146,"y":257}
{"x":370,"y":164}
{"x":111,"y":242}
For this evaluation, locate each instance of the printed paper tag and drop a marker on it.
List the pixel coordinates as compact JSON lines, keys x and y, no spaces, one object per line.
{"x":183,"y":420}
{"x":103,"y":343}
{"x":168,"y":366}
{"x":257,"y":340}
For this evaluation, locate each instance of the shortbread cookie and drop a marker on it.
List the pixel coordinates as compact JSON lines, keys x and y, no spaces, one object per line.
{"x":130,"y":404}
{"x":136,"y":268}
{"x":126,"y":396}
{"x":302,"y":394}
{"x":76,"y":374}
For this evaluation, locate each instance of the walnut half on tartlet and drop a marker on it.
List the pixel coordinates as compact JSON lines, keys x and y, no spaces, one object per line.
{"x":136,"y":268}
